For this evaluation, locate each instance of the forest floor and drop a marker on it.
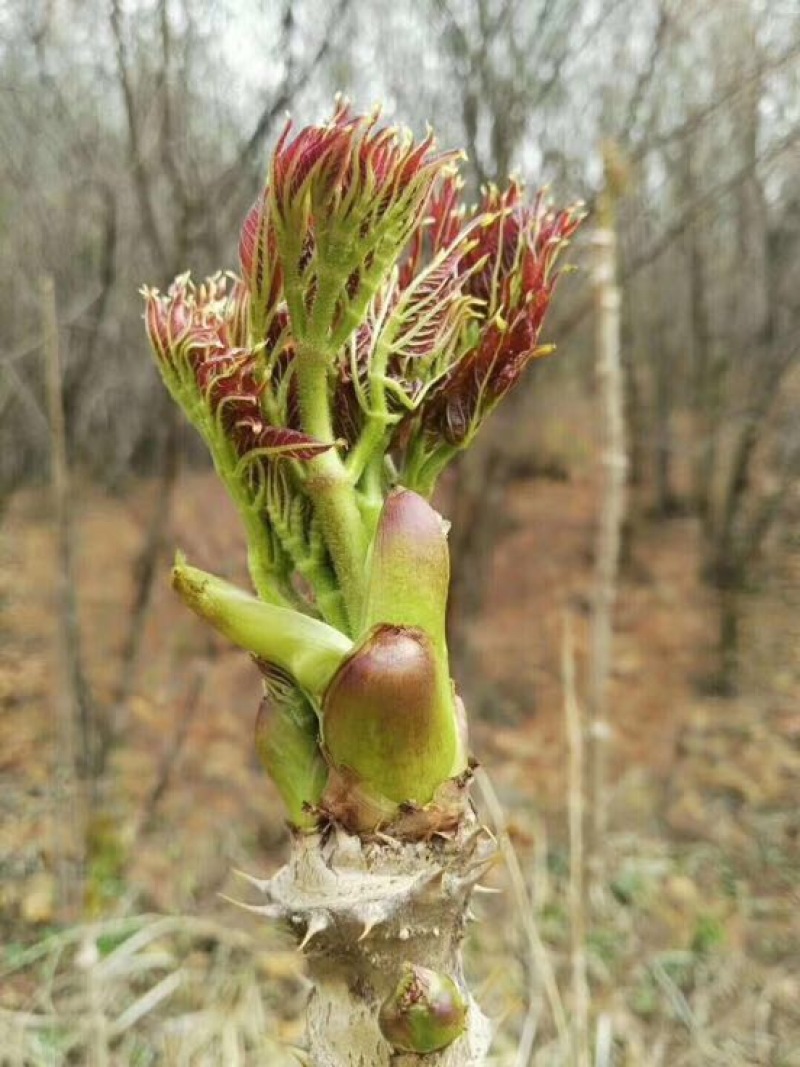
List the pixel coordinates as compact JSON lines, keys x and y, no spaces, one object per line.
{"x":693,"y":941}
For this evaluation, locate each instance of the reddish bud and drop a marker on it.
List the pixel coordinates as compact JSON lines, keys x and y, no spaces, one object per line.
{"x":383,"y":718}
{"x":509,"y":268}
{"x":167,"y":318}
{"x":352,"y":163}
{"x":425,"y":1013}
{"x":199,"y":335}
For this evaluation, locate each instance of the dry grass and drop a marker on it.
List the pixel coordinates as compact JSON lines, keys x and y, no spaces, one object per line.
{"x":177,"y":990}
{"x":703,"y":1004}
{"x":150,"y":990}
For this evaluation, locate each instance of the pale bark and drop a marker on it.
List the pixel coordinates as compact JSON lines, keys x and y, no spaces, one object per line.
{"x":361,"y":910}
{"x":614,"y":460}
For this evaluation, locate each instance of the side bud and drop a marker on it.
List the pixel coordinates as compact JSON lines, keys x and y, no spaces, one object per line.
{"x":288,"y":748}
{"x":384,"y":718}
{"x":425,"y":1013}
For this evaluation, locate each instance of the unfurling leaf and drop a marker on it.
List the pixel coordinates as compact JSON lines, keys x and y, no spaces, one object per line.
{"x":308,"y":650}
{"x":346,"y":198}
{"x":509,"y":269}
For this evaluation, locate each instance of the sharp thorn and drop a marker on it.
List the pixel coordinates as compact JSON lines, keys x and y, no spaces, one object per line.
{"x":368,"y":928}
{"x":430,"y":878}
{"x":261,"y":884}
{"x":369,"y":916}
{"x":272,"y":911}
{"x":478,"y":869}
{"x":316,"y":924}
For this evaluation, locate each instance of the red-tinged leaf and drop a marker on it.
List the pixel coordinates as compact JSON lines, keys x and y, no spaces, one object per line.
{"x":261,"y":267}
{"x":437,"y":230}
{"x":321,"y":149}
{"x":236,"y":328}
{"x":431,"y":312}
{"x":353,"y":167}
{"x":479,"y":380}
{"x":509,"y":269}
{"x":230,"y":381}
{"x":168,"y":318}
{"x":502,"y":221}
{"x":250,"y":242}
{"x":279,"y":443}
{"x":517,"y":244}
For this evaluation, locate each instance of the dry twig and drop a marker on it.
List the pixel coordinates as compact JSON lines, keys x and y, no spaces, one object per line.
{"x":538,"y":951}
{"x":73,"y":714}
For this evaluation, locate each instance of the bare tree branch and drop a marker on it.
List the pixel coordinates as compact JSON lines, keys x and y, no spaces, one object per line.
{"x":701,"y":116}
{"x":271,"y":113}
{"x":140,"y":173}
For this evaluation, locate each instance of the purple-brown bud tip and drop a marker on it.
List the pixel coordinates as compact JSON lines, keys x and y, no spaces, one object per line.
{"x":425,"y":1013}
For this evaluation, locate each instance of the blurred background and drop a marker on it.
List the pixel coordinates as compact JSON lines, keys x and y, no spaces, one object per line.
{"x":625,"y":614}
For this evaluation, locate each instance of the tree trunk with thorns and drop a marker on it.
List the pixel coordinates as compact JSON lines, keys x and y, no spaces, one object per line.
{"x":369,"y":336}
{"x":365,"y":914}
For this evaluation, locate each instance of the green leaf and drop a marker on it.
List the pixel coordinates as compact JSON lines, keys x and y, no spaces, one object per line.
{"x":308,"y":650}
{"x":287,"y":743}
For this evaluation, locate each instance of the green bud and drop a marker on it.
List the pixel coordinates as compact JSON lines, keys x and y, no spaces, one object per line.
{"x":408,"y":584}
{"x":288,"y":746}
{"x":409,"y":570}
{"x":305,"y":648}
{"x":384,"y":717}
{"x":425,"y":1013}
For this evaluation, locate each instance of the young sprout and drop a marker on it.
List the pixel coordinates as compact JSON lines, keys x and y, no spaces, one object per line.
{"x":375,"y":324}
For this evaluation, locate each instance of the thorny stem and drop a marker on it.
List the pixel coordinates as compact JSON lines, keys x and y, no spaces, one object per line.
{"x":362,"y":912}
